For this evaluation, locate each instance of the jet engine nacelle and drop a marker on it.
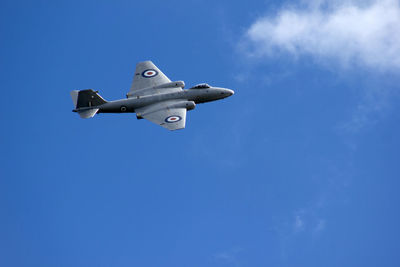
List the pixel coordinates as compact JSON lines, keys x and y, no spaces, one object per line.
{"x":143,"y":91}
{"x":180,"y":84}
{"x":189,"y":105}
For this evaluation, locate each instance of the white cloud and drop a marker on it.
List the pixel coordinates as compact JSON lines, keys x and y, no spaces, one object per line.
{"x":349,"y":32}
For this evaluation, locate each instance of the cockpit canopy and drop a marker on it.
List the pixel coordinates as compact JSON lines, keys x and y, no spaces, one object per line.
{"x":201,"y":86}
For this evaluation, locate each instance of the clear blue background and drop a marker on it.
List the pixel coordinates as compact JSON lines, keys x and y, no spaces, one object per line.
{"x":283,"y":173}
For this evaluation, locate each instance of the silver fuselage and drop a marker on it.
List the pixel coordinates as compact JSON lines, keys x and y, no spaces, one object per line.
{"x":196,"y":95}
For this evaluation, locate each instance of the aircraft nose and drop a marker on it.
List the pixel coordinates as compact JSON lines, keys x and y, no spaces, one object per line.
{"x":224,"y":92}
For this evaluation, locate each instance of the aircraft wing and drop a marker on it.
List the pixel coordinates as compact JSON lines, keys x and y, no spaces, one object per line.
{"x":160,"y":113}
{"x":147,"y":75}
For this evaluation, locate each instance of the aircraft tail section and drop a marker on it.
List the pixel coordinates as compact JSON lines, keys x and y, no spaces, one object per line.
{"x":86,"y":102}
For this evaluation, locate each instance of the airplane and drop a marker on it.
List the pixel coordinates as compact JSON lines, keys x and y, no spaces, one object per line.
{"x":152,"y":96}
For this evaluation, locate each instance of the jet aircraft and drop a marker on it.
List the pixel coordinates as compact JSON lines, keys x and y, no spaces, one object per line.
{"x":152,"y":96}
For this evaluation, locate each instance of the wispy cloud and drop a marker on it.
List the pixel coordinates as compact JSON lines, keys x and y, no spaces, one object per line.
{"x":305,"y":223}
{"x":348,"y":32}
{"x":307,"y":220}
{"x":229,"y":256}
{"x":320,"y":226}
{"x":374,"y":105}
{"x":298,"y":223}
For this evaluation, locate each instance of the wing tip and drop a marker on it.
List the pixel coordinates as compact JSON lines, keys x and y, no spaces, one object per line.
{"x":145,"y":61}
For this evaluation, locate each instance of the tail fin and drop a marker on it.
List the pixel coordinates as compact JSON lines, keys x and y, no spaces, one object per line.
{"x":86,"y":102}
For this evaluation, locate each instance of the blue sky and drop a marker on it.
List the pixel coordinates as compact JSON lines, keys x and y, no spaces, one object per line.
{"x":299,"y":168}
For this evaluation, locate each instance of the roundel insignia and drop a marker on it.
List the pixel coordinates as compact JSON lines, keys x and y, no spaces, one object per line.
{"x":173,"y":118}
{"x":149,"y":73}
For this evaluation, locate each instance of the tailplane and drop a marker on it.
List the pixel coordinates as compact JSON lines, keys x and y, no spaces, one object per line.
{"x":86,"y":102}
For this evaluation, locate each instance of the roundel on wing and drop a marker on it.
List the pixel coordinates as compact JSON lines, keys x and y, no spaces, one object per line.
{"x":149,"y":73}
{"x":173,"y":118}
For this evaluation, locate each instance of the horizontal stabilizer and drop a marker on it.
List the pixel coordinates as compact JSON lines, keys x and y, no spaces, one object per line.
{"x":74,"y":96}
{"x":86,"y":114}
